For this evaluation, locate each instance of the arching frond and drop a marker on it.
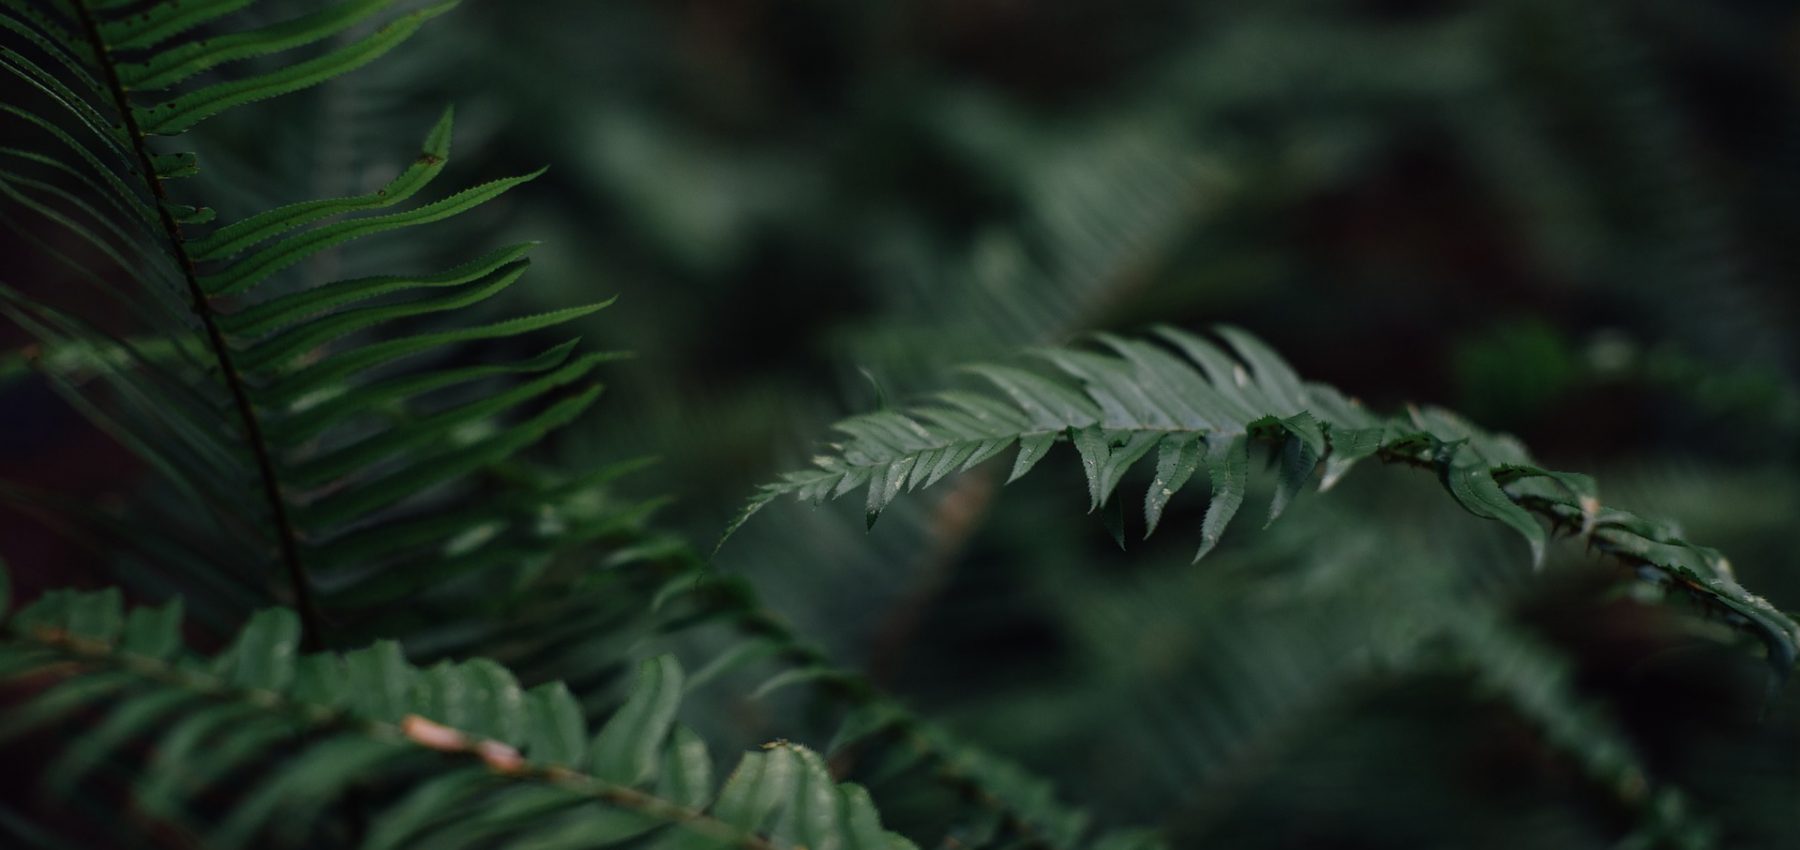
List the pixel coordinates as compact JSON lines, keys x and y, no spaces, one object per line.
{"x":1194,"y":405}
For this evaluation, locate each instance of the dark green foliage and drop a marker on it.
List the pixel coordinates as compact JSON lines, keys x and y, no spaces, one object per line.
{"x":487,"y":760}
{"x":402,"y":606}
{"x":333,"y":435}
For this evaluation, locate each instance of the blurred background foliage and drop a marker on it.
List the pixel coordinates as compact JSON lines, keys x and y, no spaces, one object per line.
{"x":1570,"y":221}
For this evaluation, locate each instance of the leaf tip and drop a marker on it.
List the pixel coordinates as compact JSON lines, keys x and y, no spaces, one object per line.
{"x":1207,"y":543}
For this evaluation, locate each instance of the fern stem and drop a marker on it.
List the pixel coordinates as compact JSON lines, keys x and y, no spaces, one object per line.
{"x":312,"y":630}
{"x":303,"y":714}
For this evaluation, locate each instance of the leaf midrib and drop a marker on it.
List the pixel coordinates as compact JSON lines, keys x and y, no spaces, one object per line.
{"x":1020,"y":435}
{"x":286,"y":539}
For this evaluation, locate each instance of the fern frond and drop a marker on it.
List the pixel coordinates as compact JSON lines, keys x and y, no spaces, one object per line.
{"x":574,"y":621}
{"x":563,"y":629}
{"x":326,"y":435}
{"x":445,"y":756}
{"x":1222,"y":682}
{"x":875,"y":727}
{"x":1535,"y":683}
{"x":1117,"y":407}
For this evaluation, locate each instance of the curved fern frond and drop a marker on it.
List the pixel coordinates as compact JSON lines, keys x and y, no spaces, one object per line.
{"x":452,"y":755}
{"x":258,"y":392}
{"x":1192,"y":403}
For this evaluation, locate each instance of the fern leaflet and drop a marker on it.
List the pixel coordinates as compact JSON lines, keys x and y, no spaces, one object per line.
{"x":1140,"y":399}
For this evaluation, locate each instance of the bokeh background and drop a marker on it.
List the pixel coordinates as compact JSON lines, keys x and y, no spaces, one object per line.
{"x":1572,"y":221}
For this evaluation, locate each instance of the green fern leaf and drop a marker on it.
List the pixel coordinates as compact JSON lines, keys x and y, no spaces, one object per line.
{"x":1115,"y":408}
{"x":223,"y":327}
{"x":475,"y":750}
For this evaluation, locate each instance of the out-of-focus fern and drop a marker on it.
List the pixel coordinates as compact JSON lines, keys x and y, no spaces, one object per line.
{"x":1194,"y":405}
{"x":1535,"y":682}
{"x":998,"y":802}
{"x":1213,"y":687}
